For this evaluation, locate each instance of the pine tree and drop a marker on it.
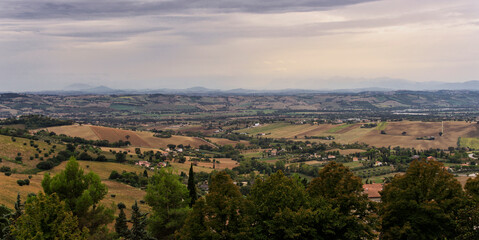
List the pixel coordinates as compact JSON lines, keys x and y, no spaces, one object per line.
{"x":121,"y":226}
{"x":46,"y":217}
{"x":222,"y":214}
{"x":18,"y":208}
{"x":82,"y":194}
{"x":192,"y":186}
{"x":169,"y":200}
{"x":139,"y":222}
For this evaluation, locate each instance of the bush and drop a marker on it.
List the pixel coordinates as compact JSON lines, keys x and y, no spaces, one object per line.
{"x":26,"y":182}
{"x":20,"y":182}
{"x":8,"y":173}
{"x":18,"y":159}
{"x":85,"y":156}
{"x":5,"y":169}
{"x":47,"y":165}
{"x":114,"y":175}
{"x":101,"y":158}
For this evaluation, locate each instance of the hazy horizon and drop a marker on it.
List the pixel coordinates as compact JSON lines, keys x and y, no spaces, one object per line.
{"x":305,"y":44}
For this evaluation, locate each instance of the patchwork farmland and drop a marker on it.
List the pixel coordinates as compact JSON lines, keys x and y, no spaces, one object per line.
{"x":403,"y":133}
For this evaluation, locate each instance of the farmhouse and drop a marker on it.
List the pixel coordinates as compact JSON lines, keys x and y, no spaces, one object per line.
{"x":372,"y":190}
{"x":143,"y":163}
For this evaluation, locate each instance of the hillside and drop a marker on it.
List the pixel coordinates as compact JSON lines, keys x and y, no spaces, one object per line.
{"x":403,"y":133}
{"x":137,"y":138}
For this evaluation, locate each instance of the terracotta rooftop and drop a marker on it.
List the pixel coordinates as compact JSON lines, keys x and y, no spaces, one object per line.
{"x":372,"y":190}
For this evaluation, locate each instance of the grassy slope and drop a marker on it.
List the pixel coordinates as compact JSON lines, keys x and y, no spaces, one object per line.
{"x":9,"y":150}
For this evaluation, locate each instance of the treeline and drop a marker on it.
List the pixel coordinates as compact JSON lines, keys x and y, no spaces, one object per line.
{"x":79,"y":140}
{"x":426,"y":202}
{"x":36,"y":121}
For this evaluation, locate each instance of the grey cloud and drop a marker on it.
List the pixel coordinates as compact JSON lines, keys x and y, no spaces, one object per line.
{"x":105,"y":34}
{"x":82,"y":9}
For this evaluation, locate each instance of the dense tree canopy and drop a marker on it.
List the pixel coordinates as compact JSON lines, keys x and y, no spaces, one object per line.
{"x":338,"y":186}
{"x":222,"y":214}
{"x":169,"y":200}
{"x":46,"y":217}
{"x":421,"y":204}
{"x":81,"y":194}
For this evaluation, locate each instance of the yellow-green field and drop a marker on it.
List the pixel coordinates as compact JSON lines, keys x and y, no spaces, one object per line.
{"x":472,"y":143}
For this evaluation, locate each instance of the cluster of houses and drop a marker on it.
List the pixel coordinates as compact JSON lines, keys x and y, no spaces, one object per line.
{"x":150,"y":165}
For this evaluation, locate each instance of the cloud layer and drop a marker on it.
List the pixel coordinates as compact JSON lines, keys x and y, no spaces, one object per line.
{"x":230,"y":44}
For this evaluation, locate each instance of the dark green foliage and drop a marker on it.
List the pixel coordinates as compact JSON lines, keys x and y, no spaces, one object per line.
{"x":139,"y":223}
{"x":169,"y":210}
{"x":422,"y":204}
{"x":5,"y":169}
{"x":5,"y":214}
{"x":85,"y":156}
{"x":192,"y":186}
{"x":46,"y":217}
{"x":337,"y":186}
{"x":120,"y":157}
{"x":222,"y":214}
{"x":121,"y":227}
{"x":101,"y":158}
{"x":82,"y":194}
{"x":278,"y":199}
{"x":35,"y":121}
{"x":45,"y":165}
{"x":130,"y":178}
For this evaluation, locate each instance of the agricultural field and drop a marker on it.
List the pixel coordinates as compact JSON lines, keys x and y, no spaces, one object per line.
{"x":472,"y":143}
{"x":403,"y":133}
{"x":137,"y":138}
{"x":224,"y":141}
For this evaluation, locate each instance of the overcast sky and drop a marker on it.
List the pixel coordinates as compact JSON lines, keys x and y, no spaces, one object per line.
{"x":261,"y":44}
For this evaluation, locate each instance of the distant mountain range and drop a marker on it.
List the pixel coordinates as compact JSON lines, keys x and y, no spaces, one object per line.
{"x":365,"y":86}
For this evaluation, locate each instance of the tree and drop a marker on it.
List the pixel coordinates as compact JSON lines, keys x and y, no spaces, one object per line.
{"x":278,"y":201}
{"x":222,"y":214}
{"x":468,"y":220}
{"x":472,"y":188}
{"x":421,"y":204}
{"x":192,"y":186}
{"x":120,"y":157}
{"x":46,"y":217}
{"x":337,"y":185}
{"x":168,"y":198}
{"x":121,"y":227}
{"x":5,"y":214}
{"x":139,"y":222}
{"x":82,"y":194}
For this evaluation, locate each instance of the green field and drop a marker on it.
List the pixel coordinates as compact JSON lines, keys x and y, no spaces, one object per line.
{"x":265,"y":128}
{"x":338,"y":128}
{"x":382,"y":126}
{"x":472,"y":143}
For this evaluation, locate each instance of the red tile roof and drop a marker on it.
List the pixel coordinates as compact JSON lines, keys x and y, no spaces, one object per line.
{"x":372,"y":190}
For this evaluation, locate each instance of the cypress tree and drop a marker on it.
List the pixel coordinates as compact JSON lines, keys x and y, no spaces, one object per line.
{"x":191,"y":186}
{"x":18,"y":207}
